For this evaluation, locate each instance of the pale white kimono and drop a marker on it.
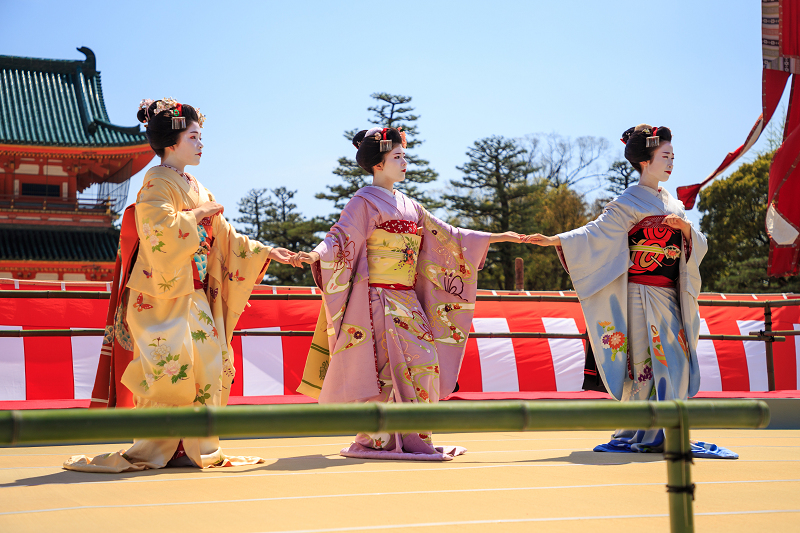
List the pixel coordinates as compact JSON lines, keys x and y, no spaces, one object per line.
{"x":658,"y":326}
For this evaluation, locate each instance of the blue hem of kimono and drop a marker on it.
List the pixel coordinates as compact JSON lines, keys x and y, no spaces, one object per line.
{"x":700,"y":449}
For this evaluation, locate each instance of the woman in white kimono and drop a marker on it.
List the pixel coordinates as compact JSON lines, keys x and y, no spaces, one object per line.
{"x":636,"y":272}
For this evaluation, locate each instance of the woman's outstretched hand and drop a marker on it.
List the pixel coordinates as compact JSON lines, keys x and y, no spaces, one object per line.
{"x":299,"y":258}
{"x":281,"y":255}
{"x":543,"y":240}
{"x":509,"y":236}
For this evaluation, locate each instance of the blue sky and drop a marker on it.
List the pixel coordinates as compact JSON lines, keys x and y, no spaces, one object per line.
{"x":279,"y":82}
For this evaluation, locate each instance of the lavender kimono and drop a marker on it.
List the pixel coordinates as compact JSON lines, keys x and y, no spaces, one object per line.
{"x":398,"y":291}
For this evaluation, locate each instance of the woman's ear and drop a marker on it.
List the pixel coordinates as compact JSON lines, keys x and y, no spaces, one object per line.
{"x":379,"y":166}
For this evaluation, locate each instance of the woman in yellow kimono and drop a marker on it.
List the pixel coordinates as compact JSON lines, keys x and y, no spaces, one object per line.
{"x":186,"y":287}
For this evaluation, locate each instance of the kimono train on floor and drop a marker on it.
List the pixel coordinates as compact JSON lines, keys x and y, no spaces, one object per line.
{"x":178,"y":292}
{"x":398,"y":290}
{"x":638,"y":281}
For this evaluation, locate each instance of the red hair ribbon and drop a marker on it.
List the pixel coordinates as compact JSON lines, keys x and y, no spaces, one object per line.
{"x":623,"y":141}
{"x":655,"y":131}
{"x":180,"y":110}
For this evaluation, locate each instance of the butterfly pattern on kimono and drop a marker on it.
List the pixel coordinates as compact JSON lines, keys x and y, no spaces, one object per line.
{"x":140,"y":305}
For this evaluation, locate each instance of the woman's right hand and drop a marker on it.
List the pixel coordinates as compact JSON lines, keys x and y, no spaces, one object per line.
{"x":543,"y":240}
{"x":299,"y":258}
{"x":208,"y":209}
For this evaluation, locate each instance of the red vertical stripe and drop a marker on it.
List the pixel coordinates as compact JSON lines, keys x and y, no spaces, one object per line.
{"x":469,"y":377}
{"x":730,"y":355}
{"x":48,"y":368}
{"x":534,"y":361}
{"x":238,"y":382}
{"x":784,"y":354}
{"x":295,"y":350}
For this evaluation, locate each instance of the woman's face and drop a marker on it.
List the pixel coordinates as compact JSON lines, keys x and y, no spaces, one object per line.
{"x":394,"y":165}
{"x":189,"y":148}
{"x":661,"y":165}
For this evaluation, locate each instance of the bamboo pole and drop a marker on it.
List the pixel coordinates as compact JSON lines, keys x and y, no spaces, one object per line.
{"x":95,"y":425}
{"x":103,"y":295}
{"x":96,"y":332}
{"x":678,"y":454}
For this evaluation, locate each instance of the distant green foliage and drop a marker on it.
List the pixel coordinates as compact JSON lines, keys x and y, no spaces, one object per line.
{"x":270,"y":216}
{"x":734,"y":212}
{"x":391,"y":110}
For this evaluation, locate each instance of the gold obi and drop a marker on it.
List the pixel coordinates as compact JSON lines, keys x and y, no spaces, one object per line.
{"x":392,"y":259}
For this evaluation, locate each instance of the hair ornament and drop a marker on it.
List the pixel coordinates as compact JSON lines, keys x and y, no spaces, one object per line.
{"x":145,"y":105}
{"x":404,"y":143}
{"x":386,"y":144}
{"x":653,"y":141}
{"x":175,"y":112}
{"x":178,"y":121}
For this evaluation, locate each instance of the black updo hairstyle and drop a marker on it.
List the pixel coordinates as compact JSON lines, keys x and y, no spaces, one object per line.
{"x":635,"y":139}
{"x":369,"y":152}
{"x":159,"y":130}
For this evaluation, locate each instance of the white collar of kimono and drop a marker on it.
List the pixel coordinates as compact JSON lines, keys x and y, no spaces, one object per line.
{"x":659,"y":192}
{"x":384,"y":190}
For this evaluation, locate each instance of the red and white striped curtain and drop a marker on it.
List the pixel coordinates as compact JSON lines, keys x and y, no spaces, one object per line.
{"x":63,"y":368}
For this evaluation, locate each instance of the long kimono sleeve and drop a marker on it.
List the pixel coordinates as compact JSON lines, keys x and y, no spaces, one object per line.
{"x":447,"y":284}
{"x":236,"y":263}
{"x":342,"y":275}
{"x":167,"y":242}
{"x":597,"y":253}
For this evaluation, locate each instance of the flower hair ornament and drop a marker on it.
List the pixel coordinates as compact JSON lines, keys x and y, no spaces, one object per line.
{"x":174,"y":109}
{"x":403,"y":141}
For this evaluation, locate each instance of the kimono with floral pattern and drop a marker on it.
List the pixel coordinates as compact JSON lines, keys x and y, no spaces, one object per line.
{"x":398,"y":288}
{"x":176,"y":315}
{"x":644,"y":337}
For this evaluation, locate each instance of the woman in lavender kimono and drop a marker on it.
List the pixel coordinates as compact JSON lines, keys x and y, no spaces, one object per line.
{"x":636,"y":272}
{"x":398,"y":288}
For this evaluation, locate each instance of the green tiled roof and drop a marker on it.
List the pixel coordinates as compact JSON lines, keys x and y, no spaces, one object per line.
{"x":45,"y":243}
{"x":57,"y":103}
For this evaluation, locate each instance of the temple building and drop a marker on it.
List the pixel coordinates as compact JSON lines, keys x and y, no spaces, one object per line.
{"x":64,"y":170}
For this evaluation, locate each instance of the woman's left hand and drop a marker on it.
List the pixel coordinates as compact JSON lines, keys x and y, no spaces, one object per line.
{"x":509,"y":236}
{"x":676,"y":222}
{"x":281,"y":255}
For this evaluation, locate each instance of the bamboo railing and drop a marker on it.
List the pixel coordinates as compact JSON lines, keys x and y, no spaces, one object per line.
{"x":676,"y":417}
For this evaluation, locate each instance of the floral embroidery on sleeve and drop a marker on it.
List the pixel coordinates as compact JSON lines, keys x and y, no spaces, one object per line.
{"x":152,"y":234}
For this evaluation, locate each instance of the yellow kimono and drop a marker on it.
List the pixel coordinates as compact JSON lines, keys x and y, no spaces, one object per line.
{"x":189,"y":285}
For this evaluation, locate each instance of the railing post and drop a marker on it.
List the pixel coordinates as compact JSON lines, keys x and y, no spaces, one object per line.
{"x":678,"y":454}
{"x":768,"y":346}
{"x":519,"y":274}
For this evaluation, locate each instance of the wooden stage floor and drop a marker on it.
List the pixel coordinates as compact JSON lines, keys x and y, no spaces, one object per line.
{"x":542,"y":481}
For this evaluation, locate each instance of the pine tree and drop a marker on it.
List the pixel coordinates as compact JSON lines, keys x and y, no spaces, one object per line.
{"x":390,"y":111}
{"x":272,"y":218}
{"x":495,"y":194}
{"x":251,"y":208}
{"x":620,"y":176}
